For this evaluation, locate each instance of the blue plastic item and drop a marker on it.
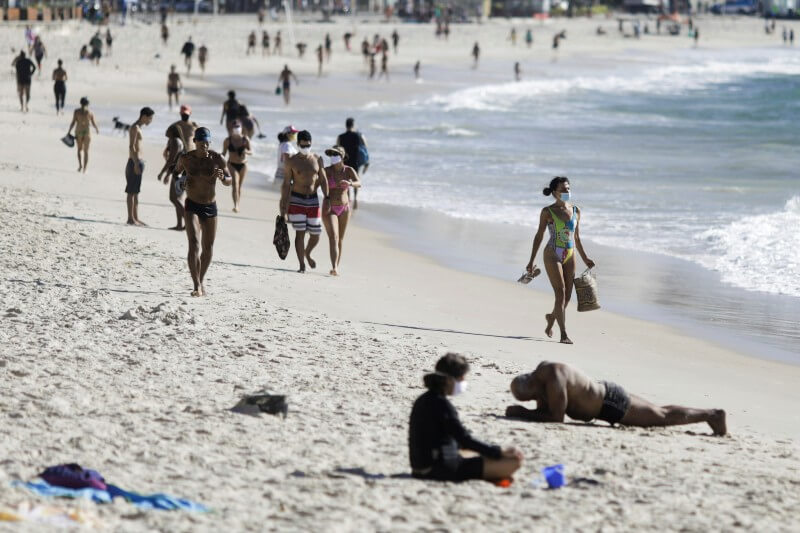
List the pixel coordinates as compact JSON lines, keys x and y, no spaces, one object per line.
{"x":554,"y":476}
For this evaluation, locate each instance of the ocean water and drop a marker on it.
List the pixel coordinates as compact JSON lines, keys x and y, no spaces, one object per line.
{"x":693,"y":157}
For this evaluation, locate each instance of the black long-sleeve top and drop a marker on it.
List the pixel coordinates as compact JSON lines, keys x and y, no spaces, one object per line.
{"x":435,"y":434}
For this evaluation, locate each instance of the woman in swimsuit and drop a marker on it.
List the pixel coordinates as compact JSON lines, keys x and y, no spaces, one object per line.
{"x":239,"y":147}
{"x":562,"y":219}
{"x":336,"y":207}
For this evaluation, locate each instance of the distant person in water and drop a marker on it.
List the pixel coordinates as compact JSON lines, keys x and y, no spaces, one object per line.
{"x":237,"y":148}
{"x":135,"y":167}
{"x":60,"y":86}
{"x":416,"y":70}
{"x":436,"y":436}
{"x":285,"y":81}
{"x":82,"y":121}
{"x":384,"y":65}
{"x":203,"y":168}
{"x":562,"y":219}
{"x":560,"y":391}
{"x":336,"y":208}
{"x":328,"y":47}
{"x":304,"y":174}
{"x":517,"y":71}
{"x":202,"y":58}
{"x":174,"y":86}
{"x":476,"y":54}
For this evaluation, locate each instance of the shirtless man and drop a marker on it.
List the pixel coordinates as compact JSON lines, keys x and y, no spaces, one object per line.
{"x":230,"y":111}
{"x":82,"y":118}
{"x":174,"y":86}
{"x":180,"y":140}
{"x":304,"y":173}
{"x":559,"y":390}
{"x":203,"y":168}
{"x":202,"y":57}
{"x":135,"y":167}
{"x":60,"y":86}
{"x":25,"y":69}
{"x":188,"y":51}
{"x":284,"y":79}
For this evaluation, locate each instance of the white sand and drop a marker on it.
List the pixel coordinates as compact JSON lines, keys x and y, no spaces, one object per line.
{"x":145,"y":400}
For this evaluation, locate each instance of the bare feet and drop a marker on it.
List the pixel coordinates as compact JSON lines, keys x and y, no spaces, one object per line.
{"x":717,"y":422}
{"x":302,"y":269}
{"x":177,"y":228}
{"x":140,"y":223}
{"x":196,"y":293}
{"x":80,"y":169}
{"x":131,"y":222}
{"x":334,"y":273}
{"x":565,"y":339}
{"x":311,"y":262}
{"x":236,"y":209}
{"x":550,"y":320}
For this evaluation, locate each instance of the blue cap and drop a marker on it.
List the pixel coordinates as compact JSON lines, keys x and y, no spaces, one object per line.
{"x":202,"y":134}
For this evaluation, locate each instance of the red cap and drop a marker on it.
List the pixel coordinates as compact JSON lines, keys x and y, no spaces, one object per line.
{"x":186,"y":110}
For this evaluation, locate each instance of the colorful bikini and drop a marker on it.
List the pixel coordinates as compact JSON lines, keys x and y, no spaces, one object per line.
{"x":562,"y":235}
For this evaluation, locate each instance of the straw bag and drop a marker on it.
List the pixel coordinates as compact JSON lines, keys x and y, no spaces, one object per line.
{"x":586,"y":291}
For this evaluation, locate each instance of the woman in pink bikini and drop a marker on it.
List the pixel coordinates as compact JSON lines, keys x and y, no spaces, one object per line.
{"x":336,"y":206}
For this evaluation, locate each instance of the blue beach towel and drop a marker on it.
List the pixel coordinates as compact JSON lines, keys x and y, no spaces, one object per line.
{"x":153,"y":501}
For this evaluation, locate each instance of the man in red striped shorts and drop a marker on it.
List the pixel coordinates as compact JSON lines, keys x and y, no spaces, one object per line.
{"x":303,"y":175}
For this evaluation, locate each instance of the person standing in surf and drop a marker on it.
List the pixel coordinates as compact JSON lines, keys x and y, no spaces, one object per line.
{"x":562,"y":219}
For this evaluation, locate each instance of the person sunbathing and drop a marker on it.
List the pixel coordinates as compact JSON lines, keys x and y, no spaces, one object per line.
{"x":560,"y":390}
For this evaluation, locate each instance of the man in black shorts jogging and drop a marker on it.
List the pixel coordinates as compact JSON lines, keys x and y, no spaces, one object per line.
{"x":560,"y":390}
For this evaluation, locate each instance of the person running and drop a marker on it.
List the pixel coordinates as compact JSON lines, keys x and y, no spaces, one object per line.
{"x":286,"y":149}
{"x":135,"y":167}
{"x":278,"y":49}
{"x":264,"y":43}
{"x":174,"y":86}
{"x":82,"y":120}
{"x":60,"y":86}
{"x":356,"y":150}
{"x":395,"y":40}
{"x":230,"y":111}
{"x":248,"y":122}
{"x":336,"y":209}
{"x":328,"y":47}
{"x":365,"y":52}
{"x":251,"y":43}
{"x":436,"y":436}
{"x":299,"y":204}
{"x":25,"y":69}
{"x":202,"y":57}
{"x":109,"y":40}
{"x":384,"y":65}
{"x":285,"y":81}
{"x":319,"y":60}
{"x":39,"y":52}
{"x":180,"y":140}
{"x":562,"y":219}
{"x":164,"y":34}
{"x":203,"y":167}
{"x":347,"y":36}
{"x":188,"y":51}
{"x":560,"y":390}
{"x":239,"y":147}
{"x":372,"y":68}
{"x":476,"y":54}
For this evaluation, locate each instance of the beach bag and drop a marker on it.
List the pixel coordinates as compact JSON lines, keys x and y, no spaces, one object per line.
{"x":362,"y":157}
{"x":586,"y":291}
{"x":69,"y":140}
{"x":281,"y":237}
{"x":255,"y":404}
{"x":73,"y":476}
{"x":278,"y":90}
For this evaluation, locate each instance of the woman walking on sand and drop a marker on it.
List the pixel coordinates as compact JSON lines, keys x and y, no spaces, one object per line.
{"x":562,"y":219}
{"x":336,"y":207}
{"x":237,"y":148}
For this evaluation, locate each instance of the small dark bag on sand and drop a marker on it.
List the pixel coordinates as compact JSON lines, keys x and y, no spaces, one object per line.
{"x":273,"y":404}
{"x":281,"y":238}
{"x":586,"y":291}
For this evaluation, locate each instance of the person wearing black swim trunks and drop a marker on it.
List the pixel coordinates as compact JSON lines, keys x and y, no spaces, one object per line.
{"x":174,"y":86}
{"x":180,"y":135}
{"x":203,"y":168}
{"x":239,"y":147}
{"x":436,"y":436}
{"x":560,"y":390}
{"x":60,"y":86}
{"x":135,"y":166}
{"x":284,"y":79}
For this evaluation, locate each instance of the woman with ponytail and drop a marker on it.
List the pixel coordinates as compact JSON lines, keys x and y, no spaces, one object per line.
{"x":436,"y":435}
{"x":562,"y":219}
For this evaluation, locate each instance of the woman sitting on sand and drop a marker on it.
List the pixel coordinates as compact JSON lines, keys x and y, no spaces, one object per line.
{"x":336,"y":208}
{"x":239,"y":147}
{"x":436,"y":435}
{"x":562,"y":220}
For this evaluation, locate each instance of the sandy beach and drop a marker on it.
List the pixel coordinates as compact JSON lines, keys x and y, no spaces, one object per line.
{"x":107,"y":361}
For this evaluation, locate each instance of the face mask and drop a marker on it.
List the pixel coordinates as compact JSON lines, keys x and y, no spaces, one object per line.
{"x":335,"y":160}
{"x":459,"y":388}
{"x":565,"y":196}
{"x":305,"y":150}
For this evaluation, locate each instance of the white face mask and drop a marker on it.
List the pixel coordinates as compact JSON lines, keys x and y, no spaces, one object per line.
{"x":305,"y":151}
{"x":460,"y":387}
{"x":237,"y":131}
{"x":335,"y":160}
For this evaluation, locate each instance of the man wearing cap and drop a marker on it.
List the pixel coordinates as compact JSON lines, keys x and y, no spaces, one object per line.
{"x":304,"y":173}
{"x":174,"y":86}
{"x":203,"y":167}
{"x":82,"y":119}
{"x":179,"y":141}
{"x":135,"y":167}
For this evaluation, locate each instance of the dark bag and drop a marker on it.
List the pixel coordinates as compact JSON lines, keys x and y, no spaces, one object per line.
{"x":73,"y":476}
{"x":281,"y":238}
{"x":362,"y":158}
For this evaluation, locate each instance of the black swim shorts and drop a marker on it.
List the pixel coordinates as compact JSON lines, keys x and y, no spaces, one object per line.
{"x":615,"y":403}
{"x":133,"y":181}
{"x":465,"y":468}
{"x":203,"y":211}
